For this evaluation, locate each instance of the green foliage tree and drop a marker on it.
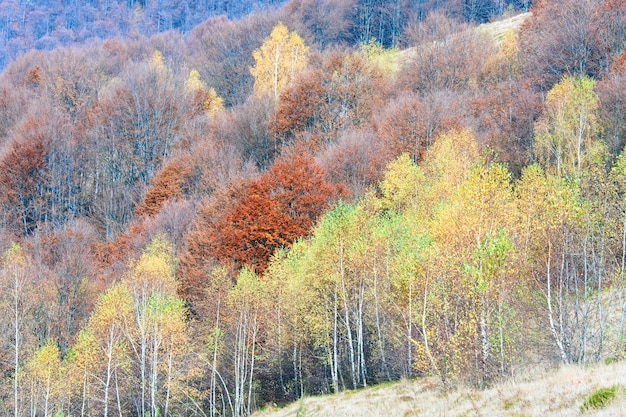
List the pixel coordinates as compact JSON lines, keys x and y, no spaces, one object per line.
{"x":566,"y":135}
{"x":43,"y":373}
{"x":157,"y":333}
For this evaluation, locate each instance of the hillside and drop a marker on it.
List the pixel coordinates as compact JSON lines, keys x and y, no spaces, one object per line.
{"x":499,"y":28}
{"x":46,"y":25}
{"x":308,"y":199}
{"x":562,"y":392}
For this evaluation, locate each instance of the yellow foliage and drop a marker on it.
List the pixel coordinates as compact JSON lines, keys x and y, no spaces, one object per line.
{"x":509,"y":48}
{"x":448,"y":162}
{"x":276,"y":62}
{"x":401,"y":183}
{"x":503,"y":64}
{"x":212,"y":103}
{"x":113,"y":310}
{"x":194,"y":82}
{"x":157,"y":60}
{"x":81,"y":361}
{"x":153,"y":271}
{"x":567,"y":133}
{"x":46,"y":362}
{"x":44,"y":373}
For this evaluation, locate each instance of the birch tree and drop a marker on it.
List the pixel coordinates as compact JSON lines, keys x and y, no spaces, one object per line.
{"x":566,"y":135}
{"x":17,"y":303}
{"x":277,"y":61}
{"x":109,"y":323}
{"x":157,"y":331}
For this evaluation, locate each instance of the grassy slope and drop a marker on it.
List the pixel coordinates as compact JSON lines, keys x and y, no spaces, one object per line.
{"x":499,"y":28}
{"x":560,"y":393}
{"x":496,"y":30}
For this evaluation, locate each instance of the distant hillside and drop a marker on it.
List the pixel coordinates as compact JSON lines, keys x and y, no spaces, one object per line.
{"x":496,"y":30}
{"x":44,"y":25}
{"x":499,"y":28}
{"x":561,"y":393}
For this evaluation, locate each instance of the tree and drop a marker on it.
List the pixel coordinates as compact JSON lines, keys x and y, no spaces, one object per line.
{"x":298,"y":105}
{"x":411,"y":123}
{"x":67,"y":262}
{"x":18,"y":305}
{"x":448,"y":60}
{"x":484,"y":229}
{"x":327,"y":22}
{"x":44,"y":374}
{"x":109,"y":323}
{"x":245,"y":302}
{"x":157,"y":334}
{"x":574,"y":38}
{"x":274,"y":211}
{"x":400,"y":184}
{"x":81,"y":366}
{"x":566,"y":135}
{"x":612,"y":105}
{"x":222,"y":51}
{"x":132,"y":131}
{"x":23,"y":177}
{"x":277,"y":61}
{"x":203,"y":98}
{"x":334,"y":295}
{"x":169,"y":184}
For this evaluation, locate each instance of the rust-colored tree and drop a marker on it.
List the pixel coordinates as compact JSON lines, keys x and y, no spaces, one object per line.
{"x":278,"y":208}
{"x":296,"y":110}
{"x":22,"y":178}
{"x":345,"y":92}
{"x":168,"y":185}
{"x":245,"y":226}
{"x":196,"y":262}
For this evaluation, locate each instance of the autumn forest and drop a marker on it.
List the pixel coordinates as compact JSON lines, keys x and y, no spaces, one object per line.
{"x":210,"y":208}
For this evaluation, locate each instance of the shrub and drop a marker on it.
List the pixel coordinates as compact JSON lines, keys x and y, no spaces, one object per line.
{"x":599,"y":398}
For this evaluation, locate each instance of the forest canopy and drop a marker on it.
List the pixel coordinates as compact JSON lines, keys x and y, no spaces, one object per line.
{"x":208,"y":209}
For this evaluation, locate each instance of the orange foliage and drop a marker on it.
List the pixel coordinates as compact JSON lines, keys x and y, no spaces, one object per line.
{"x":245,"y":224}
{"x":298,"y":104}
{"x":168,"y":185}
{"x":22,"y":177}
{"x":196,"y":262}
{"x":276,"y":209}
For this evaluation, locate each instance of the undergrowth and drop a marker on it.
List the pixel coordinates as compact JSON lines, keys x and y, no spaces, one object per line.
{"x":600,"y":398}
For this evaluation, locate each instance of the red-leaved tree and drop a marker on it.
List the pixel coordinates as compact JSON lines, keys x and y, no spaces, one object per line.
{"x":269,"y":213}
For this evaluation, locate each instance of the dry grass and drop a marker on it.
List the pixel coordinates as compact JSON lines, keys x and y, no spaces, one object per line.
{"x":498,"y":29}
{"x":560,"y":393}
